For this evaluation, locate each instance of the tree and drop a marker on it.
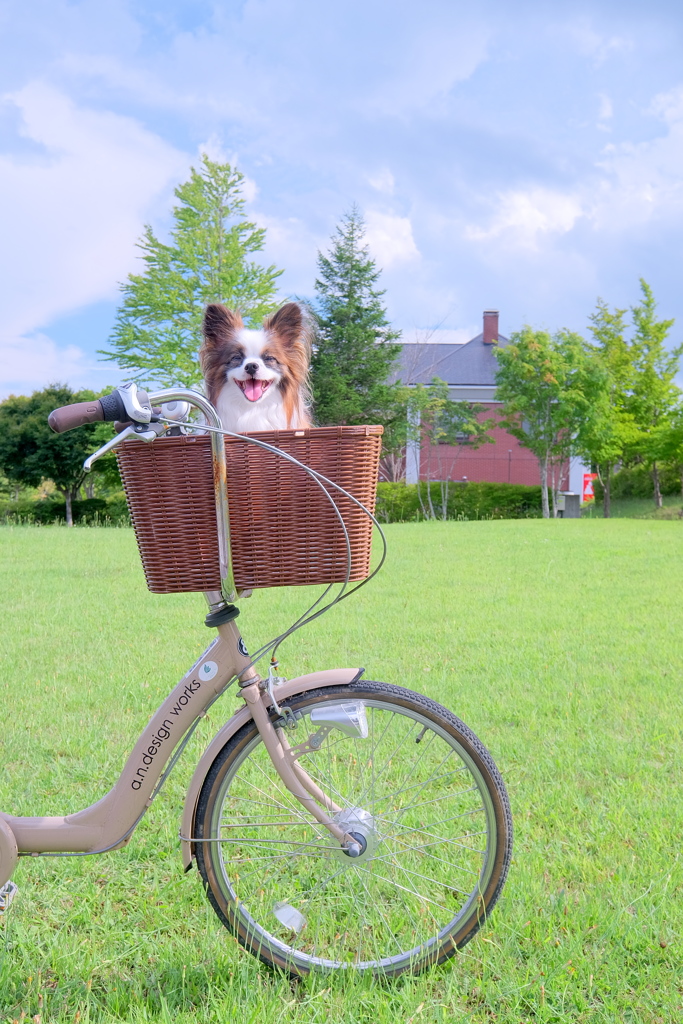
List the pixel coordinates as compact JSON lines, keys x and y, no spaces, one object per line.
{"x":434,"y":419}
{"x":355,"y":351}
{"x":158,"y":325}
{"x":31,"y":452}
{"x":669,"y":447}
{"x":653,"y":397}
{"x":547,"y":387}
{"x":608,"y":432}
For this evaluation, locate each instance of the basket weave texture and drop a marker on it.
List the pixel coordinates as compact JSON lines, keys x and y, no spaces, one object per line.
{"x":283,"y":529}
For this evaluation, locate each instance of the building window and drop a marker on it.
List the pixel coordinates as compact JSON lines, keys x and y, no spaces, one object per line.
{"x":455,"y":439}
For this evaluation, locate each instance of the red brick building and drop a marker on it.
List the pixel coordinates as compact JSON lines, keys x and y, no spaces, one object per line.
{"x":470,"y":371}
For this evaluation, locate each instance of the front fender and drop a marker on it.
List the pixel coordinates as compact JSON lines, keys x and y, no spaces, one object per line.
{"x":331,"y":677}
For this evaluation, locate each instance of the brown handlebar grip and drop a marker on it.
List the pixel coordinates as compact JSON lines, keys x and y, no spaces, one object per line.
{"x":70,"y":416}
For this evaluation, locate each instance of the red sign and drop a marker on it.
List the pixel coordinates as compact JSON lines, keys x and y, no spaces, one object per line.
{"x":588,"y":479}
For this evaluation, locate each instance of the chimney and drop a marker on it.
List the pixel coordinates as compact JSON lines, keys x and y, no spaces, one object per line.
{"x":490,"y":326}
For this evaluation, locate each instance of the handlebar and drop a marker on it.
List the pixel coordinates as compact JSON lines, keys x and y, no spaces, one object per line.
{"x":110,"y":407}
{"x":116,"y":406}
{"x":70,"y":416}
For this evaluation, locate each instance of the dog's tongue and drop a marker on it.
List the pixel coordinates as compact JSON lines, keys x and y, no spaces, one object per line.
{"x":253,"y":389}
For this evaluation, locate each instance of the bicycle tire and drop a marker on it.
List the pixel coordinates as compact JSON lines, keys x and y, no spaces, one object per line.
{"x":283,"y":886}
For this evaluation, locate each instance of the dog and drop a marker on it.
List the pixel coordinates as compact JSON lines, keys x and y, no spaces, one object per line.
{"x":257,"y":379}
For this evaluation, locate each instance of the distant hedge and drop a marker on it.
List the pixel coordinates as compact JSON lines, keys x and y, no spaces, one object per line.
{"x":399,"y":502}
{"x":89,"y":512}
{"x":396,"y":503}
{"x":636,"y":482}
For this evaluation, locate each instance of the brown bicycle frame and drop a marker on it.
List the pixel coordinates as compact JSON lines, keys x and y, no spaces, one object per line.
{"x":109,"y":823}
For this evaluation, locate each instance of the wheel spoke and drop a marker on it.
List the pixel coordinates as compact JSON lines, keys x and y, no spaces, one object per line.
{"x":296,"y":898}
{"x":424,"y":832}
{"x":433,"y":856}
{"x":406,"y":789}
{"x":420,"y":896}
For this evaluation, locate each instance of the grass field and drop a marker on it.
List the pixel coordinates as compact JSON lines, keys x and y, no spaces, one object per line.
{"x":558,"y":642}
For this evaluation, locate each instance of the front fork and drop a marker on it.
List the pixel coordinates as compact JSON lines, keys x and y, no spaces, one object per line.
{"x":296,"y":779}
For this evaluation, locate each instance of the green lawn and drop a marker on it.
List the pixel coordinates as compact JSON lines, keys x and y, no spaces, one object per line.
{"x":558,"y":642}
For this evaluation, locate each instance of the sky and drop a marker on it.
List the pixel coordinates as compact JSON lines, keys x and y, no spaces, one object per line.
{"x":526,"y":156}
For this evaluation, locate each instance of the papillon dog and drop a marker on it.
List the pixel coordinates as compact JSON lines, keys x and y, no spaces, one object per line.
{"x":257,"y":379}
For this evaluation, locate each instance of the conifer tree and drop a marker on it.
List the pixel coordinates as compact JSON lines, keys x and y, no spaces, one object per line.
{"x":158,"y":325}
{"x":356,"y":347}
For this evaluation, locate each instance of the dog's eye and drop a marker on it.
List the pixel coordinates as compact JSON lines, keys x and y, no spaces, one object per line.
{"x":270,"y":360}
{"x":234,"y":361}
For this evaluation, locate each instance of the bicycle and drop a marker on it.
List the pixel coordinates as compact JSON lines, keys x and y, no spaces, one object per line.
{"x":337,"y":823}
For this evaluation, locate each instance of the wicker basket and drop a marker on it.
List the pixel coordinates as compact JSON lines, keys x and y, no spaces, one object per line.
{"x":283,"y":530}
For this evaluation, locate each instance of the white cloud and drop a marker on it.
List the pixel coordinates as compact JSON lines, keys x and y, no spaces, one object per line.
{"x":30,"y":363}
{"x":390,"y":238}
{"x":606,"y":110}
{"x":290,"y":243}
{"x":524,"y":216}
{"x":74,"y":207}
{"x":383,"y":181}
{"x":668,"y":106}
{"x":642,"y":182}
{"x":598,"y":45}
{"x":428,"y":65}
{"x":633,"y":184}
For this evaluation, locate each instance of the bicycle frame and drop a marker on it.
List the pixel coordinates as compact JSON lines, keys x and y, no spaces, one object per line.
{"x":109,"y":823}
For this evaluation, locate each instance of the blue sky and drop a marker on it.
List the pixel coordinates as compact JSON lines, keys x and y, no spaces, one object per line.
{"x":523,"y":156}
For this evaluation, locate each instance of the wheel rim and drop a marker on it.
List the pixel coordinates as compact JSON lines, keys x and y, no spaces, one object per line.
{"x":422,"y":808}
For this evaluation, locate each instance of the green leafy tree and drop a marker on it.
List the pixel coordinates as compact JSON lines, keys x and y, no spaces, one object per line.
{"x":670,"y":444}
{"x":654,"y":397}
{"x":31,"y":452}
{"x":158,"y":325}
{"x":608,"y":432}
{"x":356,"y":348}
{"x":435,"y":420}
{"x":547,"y":387}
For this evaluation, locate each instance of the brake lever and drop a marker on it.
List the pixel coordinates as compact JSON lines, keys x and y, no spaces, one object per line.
{"x":143,"y":432}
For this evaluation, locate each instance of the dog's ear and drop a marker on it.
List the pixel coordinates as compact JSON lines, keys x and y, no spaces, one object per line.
{"x":219,"y":324}
{"x":290,"y":325}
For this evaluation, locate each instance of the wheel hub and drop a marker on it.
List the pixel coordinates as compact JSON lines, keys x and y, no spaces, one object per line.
{"x":360,"y":825}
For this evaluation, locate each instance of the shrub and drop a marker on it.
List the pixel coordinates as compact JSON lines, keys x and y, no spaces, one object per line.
{"x":89,"y":512}
{"x":636,"y":482}
{"x":400,"y":503}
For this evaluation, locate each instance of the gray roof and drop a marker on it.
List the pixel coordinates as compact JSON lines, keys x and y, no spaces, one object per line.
{"x":473,"y":363}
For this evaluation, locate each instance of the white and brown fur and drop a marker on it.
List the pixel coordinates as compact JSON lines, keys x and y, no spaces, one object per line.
{"x":235,"y":361}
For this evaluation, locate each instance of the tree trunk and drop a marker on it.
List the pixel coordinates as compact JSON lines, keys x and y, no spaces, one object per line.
{"x":89,"y":485}
{"x":655,"y":480}
{"x":444,"y":499}
{"x":553,"y":488}
{"x":419,"y":496}
{"x":543,"y":467}
{"x":432,"y":513}
{"x":69,"y":515}
{"x":606,"y":489}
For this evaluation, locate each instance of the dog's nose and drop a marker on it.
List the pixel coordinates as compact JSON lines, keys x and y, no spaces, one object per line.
{"x":251,"y":369}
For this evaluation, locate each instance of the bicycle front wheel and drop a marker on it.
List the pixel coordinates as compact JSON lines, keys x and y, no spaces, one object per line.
{"x":420,"y":794}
